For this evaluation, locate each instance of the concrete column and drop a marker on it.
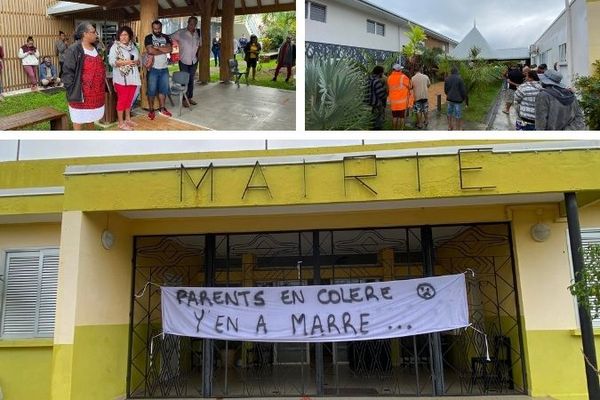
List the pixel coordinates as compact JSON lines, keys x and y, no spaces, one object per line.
{"x":206,"y":14}
{"x":92,"y":309}
{"x":585,"y":320}
{"x":148,"y":13}
{"x":386,"y":258}
{"x":226,"y":38}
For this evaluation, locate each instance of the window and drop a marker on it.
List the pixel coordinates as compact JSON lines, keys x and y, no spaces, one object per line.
{"x":317,"y":12}
{"x":375,"y":27}
{"x":29,"y":294}
{"x":562,"y":53}
{"x":544,"y":57}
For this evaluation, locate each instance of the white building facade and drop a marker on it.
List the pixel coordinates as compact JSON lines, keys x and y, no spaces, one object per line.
{"x":337,"y":28}
{"x":571,"y":52}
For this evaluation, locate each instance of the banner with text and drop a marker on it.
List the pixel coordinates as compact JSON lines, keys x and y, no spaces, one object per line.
{"x":331,"y":313}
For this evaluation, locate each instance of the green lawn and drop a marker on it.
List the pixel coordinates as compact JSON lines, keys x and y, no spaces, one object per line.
{"x":30,"y":101}
{"x":264,"y":75}
{"x":480,"y":103}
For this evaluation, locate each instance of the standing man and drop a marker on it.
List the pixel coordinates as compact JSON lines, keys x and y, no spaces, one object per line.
{"x":456,"y":93}
{"x":420,"y":83}
{"x":189,"y":40}
{"x":399,"y":87}
{"x":60,"y":46}
{"x":556,"y":108}
{"x":514,"y":78}
{"x":216,"y":48}
{"x":159,"y":46}
{"x":286,"y":58}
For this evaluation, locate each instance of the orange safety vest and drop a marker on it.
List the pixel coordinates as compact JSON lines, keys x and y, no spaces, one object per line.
{"x":399,"y":86}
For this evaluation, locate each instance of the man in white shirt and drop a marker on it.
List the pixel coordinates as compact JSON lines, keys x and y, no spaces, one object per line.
{"x":189,"y":40}
{"x":420,"y":83}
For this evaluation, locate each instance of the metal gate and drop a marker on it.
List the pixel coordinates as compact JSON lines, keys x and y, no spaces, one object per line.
{"x":450,"y":363}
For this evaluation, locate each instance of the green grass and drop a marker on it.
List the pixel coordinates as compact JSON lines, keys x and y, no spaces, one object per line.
{"x":264,"y":76}
{"x":31,"y":101}
{"x":480,"y":103}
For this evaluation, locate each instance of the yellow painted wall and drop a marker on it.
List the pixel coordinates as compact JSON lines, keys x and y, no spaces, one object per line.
{"x":324,"y":184}
{"x":25,"y":372}
{"x":90,"y":360}
{"x":24,"y":361}
{"x":270,"y":223}
{"x":555,"y":362}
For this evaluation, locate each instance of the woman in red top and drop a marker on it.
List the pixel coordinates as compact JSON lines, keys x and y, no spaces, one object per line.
{"x":84,"y":78}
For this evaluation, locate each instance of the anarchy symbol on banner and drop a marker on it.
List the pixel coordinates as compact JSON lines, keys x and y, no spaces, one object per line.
{"x":426,"y":291}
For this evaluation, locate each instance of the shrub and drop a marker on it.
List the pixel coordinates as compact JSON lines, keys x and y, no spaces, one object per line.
{"x":589,"y":91}
{"x":335,"y":93}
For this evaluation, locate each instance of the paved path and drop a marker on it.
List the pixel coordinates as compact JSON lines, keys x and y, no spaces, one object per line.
{"x":501,"y":121}
{"x":247,"y":108}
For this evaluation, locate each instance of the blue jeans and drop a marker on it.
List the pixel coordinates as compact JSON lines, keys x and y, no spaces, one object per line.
{"x":454,"y":110}
{"x":217,"y":55}
{"x":190,"y":69}
{"x":158,"y":82}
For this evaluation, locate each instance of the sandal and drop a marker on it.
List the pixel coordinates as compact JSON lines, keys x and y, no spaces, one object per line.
{"x":131,"y":123}
{"x":124,"y":127}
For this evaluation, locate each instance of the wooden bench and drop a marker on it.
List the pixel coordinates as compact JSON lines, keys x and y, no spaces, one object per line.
{"x":58,"y":119}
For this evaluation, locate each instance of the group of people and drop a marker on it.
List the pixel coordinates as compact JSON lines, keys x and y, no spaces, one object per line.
{"x":541,"y":100}
{"x":403,"y":93}
{"x":82,"y":71}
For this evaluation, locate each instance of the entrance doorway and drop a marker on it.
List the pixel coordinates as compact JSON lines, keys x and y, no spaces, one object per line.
{"x":447,"y":363}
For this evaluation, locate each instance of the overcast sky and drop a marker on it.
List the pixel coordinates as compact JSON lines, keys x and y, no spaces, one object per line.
{"x":504,"y":24}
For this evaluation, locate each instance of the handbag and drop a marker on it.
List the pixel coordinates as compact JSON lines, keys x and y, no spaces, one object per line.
{"x":148,"y":61}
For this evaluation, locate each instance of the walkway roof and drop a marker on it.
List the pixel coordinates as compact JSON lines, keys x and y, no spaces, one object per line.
{"x":170,"y":8}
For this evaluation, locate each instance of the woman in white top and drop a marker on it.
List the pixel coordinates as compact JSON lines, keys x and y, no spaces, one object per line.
{"x":30,"y":57}
{"x":124,"y":57}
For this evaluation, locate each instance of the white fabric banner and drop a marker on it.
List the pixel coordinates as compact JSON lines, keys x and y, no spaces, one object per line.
{"x":330,"y":313}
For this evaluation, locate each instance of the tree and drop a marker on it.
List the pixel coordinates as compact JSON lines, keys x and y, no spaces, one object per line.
{"x":474,"y":52}
{"x":415,"y":46}
{"x":276,"y":27}
{"x":587,"y":288}
{"x":589,"y":90}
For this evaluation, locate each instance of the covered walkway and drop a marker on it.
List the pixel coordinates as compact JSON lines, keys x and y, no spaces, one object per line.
{"x":247,"y":108}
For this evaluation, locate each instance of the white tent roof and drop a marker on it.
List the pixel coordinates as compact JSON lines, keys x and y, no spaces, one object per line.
{"x":473,"y":39}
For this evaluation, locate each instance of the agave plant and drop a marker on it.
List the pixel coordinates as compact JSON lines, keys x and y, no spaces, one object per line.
{"x":335,"y":93}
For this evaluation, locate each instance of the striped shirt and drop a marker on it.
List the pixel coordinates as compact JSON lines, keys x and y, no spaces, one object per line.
{"x":525,"y":97}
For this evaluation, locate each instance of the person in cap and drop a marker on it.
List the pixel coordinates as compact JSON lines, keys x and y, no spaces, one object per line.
{"x":541,"y":69}
{"x":399,"y":87}
{"x":556,"y":108}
